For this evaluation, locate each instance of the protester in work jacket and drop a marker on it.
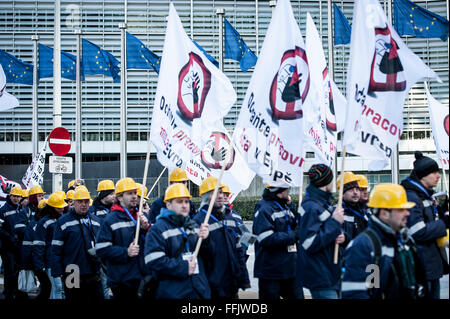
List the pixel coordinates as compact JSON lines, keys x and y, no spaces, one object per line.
{"x":26,"y":215}
{"x":226,"y":270}
{"x":117,"y":232}
{"x":425,"y":226}
{"x":317,"y":234}
{"x":99,"y":210}
{"x":158,"y":204}
{"x":360,"y":253}
{"x":43,"y":237}
{"x":26,"y":250}
{"x":73,"y":243}
{"x":169,"y":239}
{"x":274,"y":224}
{"x":8,"y":216}
{"x":355,"y":221}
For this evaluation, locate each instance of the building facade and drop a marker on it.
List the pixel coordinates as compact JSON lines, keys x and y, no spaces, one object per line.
{"x":146,"y":19}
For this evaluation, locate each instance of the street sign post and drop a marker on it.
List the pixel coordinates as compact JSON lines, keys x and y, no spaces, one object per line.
{"x":59,"y":141}
{"x":60,"y":164}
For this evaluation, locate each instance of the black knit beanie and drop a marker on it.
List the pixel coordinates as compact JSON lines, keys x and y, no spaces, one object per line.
{"x":103,"y":194}
{"x":320,"y":175}
{"x":424,"y":165}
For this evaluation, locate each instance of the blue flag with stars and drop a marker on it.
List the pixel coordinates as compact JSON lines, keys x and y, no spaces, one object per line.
{"x":236,"y":49}
{"x":98,"y":61}
{"x":209,"y":57}
{"x":411,"y":19}
{"x":342,"y":28}
{"x":16,"y":70}
{"x":68,"y":63}
{"x":139,"y":56}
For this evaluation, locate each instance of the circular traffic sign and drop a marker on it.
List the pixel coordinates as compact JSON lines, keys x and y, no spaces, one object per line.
{"x":59,"y":141}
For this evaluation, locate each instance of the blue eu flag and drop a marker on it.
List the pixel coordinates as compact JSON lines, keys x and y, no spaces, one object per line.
{"x":411,"y":19}
{"x":236,"y":49}
{"x":139,"y":56}
{"x":342,"y":29}
{"x":16,"y":70}
{"x":68,"y":63}
{"x":98,"y":61}
{"x":210,"y":58}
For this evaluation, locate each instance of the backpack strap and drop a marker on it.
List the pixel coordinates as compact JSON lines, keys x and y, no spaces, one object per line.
{"x":376,"y":244}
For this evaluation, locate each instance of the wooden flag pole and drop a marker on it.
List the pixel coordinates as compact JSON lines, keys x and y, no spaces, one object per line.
{"x":445,"y":176}
{"x":341,"y":193}
{"x":141,"y":202}
{"x":213,"y":199}
{"x":157,"y":180}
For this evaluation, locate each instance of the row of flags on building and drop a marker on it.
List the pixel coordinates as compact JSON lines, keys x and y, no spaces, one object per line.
{"x":96,"y":60}
{"x":409,"y":19}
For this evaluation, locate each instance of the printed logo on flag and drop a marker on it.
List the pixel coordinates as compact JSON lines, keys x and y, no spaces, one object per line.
{"x":387,"y":70}
{"x":446,"y":124}
{"x":330,"y":116}
{"x":194,"y":82}
{"x":215,"y":151}
{"x":290,"y":86}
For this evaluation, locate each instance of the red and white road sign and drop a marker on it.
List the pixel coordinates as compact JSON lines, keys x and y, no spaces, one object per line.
{"x":59,"y":141}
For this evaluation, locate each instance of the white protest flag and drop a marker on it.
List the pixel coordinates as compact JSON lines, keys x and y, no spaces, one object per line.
{"x":439,"y":125}
{"x":7,"y":101}
{"x":326,"y":102}
{"x":192,"y":97}
{"x":381,"y":70}
{"x":34,"y":176}
{"x":269,"y":131}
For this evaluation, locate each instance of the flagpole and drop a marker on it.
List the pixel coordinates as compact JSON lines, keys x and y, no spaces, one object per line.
{"x":257,"y":26}
{"x":394,"y":160}
{"x":156,"y":182}
{"x":123,"y":101}
{"x":141,"y":201}
{"x":220,"y":12}
{"x":445,"y":176}
{"x":34,"y":128}
{"x":339,"y":205}
{"x":57,"y":178}
{"x":78,"y":133}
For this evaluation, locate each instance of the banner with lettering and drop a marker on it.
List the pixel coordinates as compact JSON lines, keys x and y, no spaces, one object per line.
{"x":34,"y":176}
{"x":192,"y":98}
{"x":328,"y":106}
{"x":381,"y":71}
{"x":439,"y":125}
{"x":269,"y":130}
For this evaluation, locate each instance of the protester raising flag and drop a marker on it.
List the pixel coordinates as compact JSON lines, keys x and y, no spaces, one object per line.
{"x":439,"y":125}
{"x":321,"y":116}
{"x":269,"y":130}
{"x":7,"y":101}
{"x":186,"y":125}
{"x":381,"y":71}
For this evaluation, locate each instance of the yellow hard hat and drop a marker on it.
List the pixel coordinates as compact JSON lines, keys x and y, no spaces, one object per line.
{"x":56,"y":199}
{"x":362,"y":181}
{"x":390,"y":196}
{"x":16,"y":191}
{"x":25,"y":193}
{"x":81,"y":192}
{"x":69,"y":194}
{"x":105,"y":185}
{"x":139,"y":191}
{"x":348,"y":178}
{"x":442,"y":241}
{"x":178,"y":175}
{"x":125,"y":184}
{"x":208,"y":185}
{"x":36,"y":190}
{"x":225,"y":188}
{"x":42,"y":203}
{"x":71,"y":183}
{"x":177,"y":190}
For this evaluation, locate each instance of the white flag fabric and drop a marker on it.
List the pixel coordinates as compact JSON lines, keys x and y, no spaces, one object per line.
{"x":381,"y":70}
{"x":192,"y":98}
{"x":439,"y":124}
{"x":269,"y":130}
{"x":320,"y":115}
{"x":34,"y":176}
{"x":7,"y":101}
